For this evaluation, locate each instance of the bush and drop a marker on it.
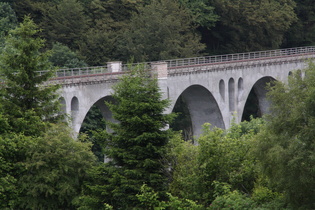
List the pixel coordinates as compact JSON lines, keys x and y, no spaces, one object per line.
{"x":233,"y":200}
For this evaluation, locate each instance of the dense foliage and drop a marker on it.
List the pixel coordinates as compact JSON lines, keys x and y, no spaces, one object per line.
{"x":221,"y":159}
{"x":41,"y":165}
{"x":23,"y":95}
{"x":101,"y":31}
{"x":286,"y":147}
{"x":173,"y":37}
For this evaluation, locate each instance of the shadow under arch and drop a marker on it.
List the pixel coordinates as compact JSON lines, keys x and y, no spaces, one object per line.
{"x":99,"y":111}
{"x":257,"y":103}
{"x":200,"y":107}
{"x":95,"y":119}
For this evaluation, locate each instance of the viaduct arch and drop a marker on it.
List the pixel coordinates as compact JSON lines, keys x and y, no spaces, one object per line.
{"x":215,"y":88}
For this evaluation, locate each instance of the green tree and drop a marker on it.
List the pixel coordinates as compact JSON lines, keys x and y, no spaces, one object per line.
{"x":183,"y":159}
{"x":99,"y":39}
{"x":149,"y":200}
{"x":92,"y":124}
{"x":13,"y":147}
{"x":56,"y":168}
{"x":26,"y":7}
{"x":138,"y":142}
{"x":221,"y":162}
{"x":117,"y":12}
{"x":147,"y":38}
{"x":302,"y":33}
{"x":247,"y":25}
{"x":286,"y":145}
{"x":24,"y":96}
{"x":137,"y":145}
{"x":63,"y":57}
{"x":65,"y":22}
{"x":8,"y":21}
{"x":202,"y":12}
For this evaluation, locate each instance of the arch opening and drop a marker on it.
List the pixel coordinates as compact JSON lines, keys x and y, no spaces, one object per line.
{"x":198,"y":106}
{"x":95,"y":119}
{"x":74,"y":104}
{"x":182,"y":121}
{"x":74,"y":108}
{"x":240,"y":86}
{"x":257,"y":103}
{"x":231,"y":95}
{"x":222,"y":89}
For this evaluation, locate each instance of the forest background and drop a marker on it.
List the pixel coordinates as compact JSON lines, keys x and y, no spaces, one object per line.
{"x":93,"y":32}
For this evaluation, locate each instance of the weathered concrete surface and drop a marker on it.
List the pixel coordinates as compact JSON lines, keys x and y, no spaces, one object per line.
{"x":215,"y":93}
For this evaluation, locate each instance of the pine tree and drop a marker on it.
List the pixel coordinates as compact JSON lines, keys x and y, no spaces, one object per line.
{"x":137,"y":145}
{"x":24,"y":96}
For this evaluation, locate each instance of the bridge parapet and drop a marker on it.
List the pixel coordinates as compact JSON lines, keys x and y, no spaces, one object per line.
{"x":269,"y":54}
{"x":174,"y":67}
{"x":174,"y":71}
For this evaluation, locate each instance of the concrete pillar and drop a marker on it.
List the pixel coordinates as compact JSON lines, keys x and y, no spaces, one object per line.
{"x":160,"y":69}
{"x":114,"y":66}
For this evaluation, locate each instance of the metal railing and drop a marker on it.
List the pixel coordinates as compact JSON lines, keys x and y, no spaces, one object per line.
{"x":79,"y":71}
{"x":269,"y":54}
{"x":94,"y":70}
{"x":240,"y":57}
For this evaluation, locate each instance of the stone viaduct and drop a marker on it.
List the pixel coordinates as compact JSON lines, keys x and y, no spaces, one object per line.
{"x":215,"y":88}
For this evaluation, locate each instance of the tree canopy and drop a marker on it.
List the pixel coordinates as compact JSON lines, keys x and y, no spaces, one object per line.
{"x":101,"y":31}
{"x":246,"y":25}
{"x":147,"y":38}
{"x":285,"y":147}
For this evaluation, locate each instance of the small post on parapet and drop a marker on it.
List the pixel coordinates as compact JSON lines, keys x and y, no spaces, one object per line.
{"x":114,"y":66}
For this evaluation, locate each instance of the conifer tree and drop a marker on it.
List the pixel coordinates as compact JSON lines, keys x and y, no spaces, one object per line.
{"x":136,"y":146}
{"x":24,"y":96}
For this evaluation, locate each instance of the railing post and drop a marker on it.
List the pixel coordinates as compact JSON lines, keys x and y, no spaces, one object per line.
{"x":115,"y":66}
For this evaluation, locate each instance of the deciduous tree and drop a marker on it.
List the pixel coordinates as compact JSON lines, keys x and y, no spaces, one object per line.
{"x":148,"y":38}
{"x":66,"y":23}
{"x":247,"y":25}
{"x":56,"y":167}
{"x":302,"y":33}
{"x":63,"y":57}
{"x":202,"y":12}
{"x":286,"y":146}
{"x":222,"y":158}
